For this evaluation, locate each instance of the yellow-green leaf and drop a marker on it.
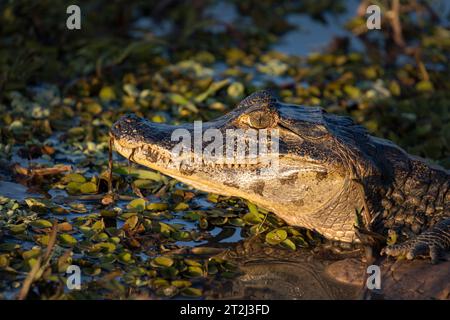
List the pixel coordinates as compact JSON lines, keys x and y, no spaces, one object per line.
{"x":88,"y":187}
{"x":41,"y":223}
{"x":67,"y":239}
{"x":163,"y":261}
{"x":276,"y":236}
{"x":137,"y":204}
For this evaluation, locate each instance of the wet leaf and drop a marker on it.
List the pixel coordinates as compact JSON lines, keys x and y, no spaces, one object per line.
{"x":88,"y":187}
{"x":193,"y":271}
{"x":236,"y":90}
{"x":424,"y":86}
{"x":125,"y":257}
{"x":392,"y":237}
{"x":163,"y":261}
{"x":17,"y":228}
{"x":143,"y":183}
{"x":37,"y":204}
{"x":191,"y":292}
{"x":257,"y":229}
{"x":33,"y":253}
{"x":67,"y":239}
{"x":276,"y":236}
{"x":107,"y":93}
{"x":41,"y":223}
{"x":4,"y":261}
{"x":182,"y":236}
{"x":73,"y":187}
{"x":166,"y":229}
{"x":98,"y":225}
{"x":94,"y":108}
{"x":104,"y":246}
{"x":181,"y":206}
{"x":74,"y":177}
{"x":181,"y":283}
{"x":9,"y":246}
{"x":139,"y":173}
{"x":137,"y":204}
{"x":154,"y":206}
{"x":238,"y":222}
{"x":289,"y":244}
{"x":191,"y":262}
{"x":253,"y":218}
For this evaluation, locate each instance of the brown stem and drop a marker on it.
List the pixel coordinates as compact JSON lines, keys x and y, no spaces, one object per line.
{"x":396,"y":25}
{"x":110,"y":166}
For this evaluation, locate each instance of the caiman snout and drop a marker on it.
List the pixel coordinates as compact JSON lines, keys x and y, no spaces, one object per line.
{"x":131,"y":131}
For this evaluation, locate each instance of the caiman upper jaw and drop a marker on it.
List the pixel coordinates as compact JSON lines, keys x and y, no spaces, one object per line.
{"x":124,"y":130}
{"x":131,"y":131}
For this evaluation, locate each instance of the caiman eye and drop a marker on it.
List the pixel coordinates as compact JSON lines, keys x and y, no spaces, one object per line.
{"x":260,"y":119}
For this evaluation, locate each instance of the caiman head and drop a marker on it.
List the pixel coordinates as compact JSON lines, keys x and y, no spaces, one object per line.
{"x":307,"y":176}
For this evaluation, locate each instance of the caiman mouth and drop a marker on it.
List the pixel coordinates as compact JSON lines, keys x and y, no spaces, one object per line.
{"x":135,"y":137}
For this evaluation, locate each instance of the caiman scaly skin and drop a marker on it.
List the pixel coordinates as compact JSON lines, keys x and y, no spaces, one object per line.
{"x":330,"y":172}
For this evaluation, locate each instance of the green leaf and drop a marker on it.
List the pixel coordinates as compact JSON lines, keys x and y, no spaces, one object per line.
{"x":88,"y":187}
{"x":104,"y":246}
{"x":98,"y":225}
{"x":289,"y":244}
{"x":154,"y":206}
{"x":67,"y":239}
{"x":9,"y":246}
{"x":178,"y":99}
{"x":165,"y":229}
{"x":181,"y":283}
{"x":4,"y":261}
{"x":37,"y":203}
{"x":17,"y":228}
{"x":236,"y":90}
{"x":163,"y":261}
{"x":276,"y":236}
{"x":192,"y":262}
{"x":41,"y":223}
{"x":125,"y":257}
{"x":94,"y":108}
{"x":143,"y":183}
{"x":29,"y":254}
{"x":139,"y":173}
{"x":253,"y":218}
{"x":392,"y":237}
{"x":107,"y":94}
{"x":73,"y":187}
{"x":194,"y":271}
{"x":191,"y":292}
{"x":137,"y":204}
{"x":424,"y":86}
{"x":252,"y":208}
{"x":74,"y":177}
{"x":181,"y":206}
{"x":182,"y":236}
{"x":238,"y":222}
{"x":213,"y":88}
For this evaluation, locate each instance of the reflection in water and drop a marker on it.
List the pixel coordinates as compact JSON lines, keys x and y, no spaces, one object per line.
{"x":276,"y":273}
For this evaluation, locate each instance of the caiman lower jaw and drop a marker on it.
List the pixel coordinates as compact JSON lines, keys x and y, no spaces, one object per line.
{"x":174,"y":173}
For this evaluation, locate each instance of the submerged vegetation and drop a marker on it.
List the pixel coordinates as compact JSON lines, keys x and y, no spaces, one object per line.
{"x":175,"y":62}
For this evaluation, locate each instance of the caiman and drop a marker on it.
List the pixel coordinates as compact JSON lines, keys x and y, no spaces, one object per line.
{"x":332,"y":176}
